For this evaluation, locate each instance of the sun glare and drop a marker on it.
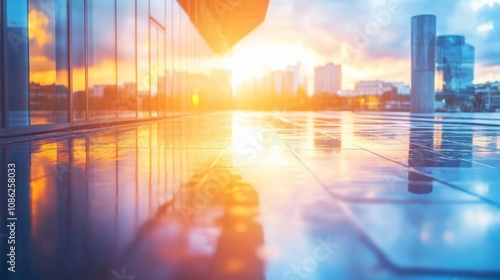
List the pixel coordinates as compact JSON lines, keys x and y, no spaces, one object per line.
{"x":250,"y":61}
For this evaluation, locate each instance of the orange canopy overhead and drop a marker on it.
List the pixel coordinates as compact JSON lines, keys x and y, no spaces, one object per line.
{"x":222,"y":23}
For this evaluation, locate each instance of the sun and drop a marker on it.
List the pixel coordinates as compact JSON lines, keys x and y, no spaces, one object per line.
{"x":253,"y":60}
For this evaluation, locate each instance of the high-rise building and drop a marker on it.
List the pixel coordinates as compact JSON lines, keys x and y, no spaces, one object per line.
{"x":455,"y":65}
{"x":328,"y":79}
{"x":423,"y":54}
{"x":293,"y":78}
{"x":278,"y":82}
{"x":285,"y":83}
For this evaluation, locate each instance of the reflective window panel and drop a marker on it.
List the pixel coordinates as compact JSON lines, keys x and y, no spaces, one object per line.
{"x":78,"y":64}
{"x":143,"y":79}
{"x":102,"y":59}
{"x":48,"y":61}
{"x":126,"y":48}
{"x":16,"y":57}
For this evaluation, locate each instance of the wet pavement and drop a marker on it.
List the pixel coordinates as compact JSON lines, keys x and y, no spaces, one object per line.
{"x":259,"y":196}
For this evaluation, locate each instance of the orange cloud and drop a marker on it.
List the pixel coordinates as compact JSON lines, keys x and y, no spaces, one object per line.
{"x":38,"y":24}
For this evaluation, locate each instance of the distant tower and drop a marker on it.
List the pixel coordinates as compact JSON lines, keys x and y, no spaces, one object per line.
{"x":328,"y":79}
{"x":423,"y":54}
{"x":455,"y":65}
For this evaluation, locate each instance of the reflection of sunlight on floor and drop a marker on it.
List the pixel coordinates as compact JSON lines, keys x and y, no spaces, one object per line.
{"x":481,"y":188}
{"x":347,"y":127}
{"x":438,"y":136}
{"x":480,"y":220}
{"x":43,"y":179}
{"x":260,"y":190}
{"x":310,"y":131}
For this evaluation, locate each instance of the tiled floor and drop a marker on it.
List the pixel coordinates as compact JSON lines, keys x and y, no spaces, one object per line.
{"x":261,"y":196}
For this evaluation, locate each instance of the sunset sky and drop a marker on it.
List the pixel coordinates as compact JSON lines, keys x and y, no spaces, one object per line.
{"x":315,"y":32}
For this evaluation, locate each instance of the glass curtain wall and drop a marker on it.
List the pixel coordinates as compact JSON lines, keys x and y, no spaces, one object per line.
{"x":102,"y":64}
{"x":143,"y":86}
{"x":127,"y":61}
{"x":157,"y":69}
{"x":87,"y":61}
{"x":16,"y":79}
{"x":170,"y":31}
{"x":78,"y":62}
{"x":2,"y":111}
{"x":48,"y":61}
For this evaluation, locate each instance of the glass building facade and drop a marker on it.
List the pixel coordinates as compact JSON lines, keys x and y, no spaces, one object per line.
{"x":85,"y":62}
{"x":455,"y":65}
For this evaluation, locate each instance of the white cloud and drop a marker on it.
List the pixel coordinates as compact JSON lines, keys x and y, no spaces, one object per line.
{"x":485,"y":27}
{"x":479,"y":4}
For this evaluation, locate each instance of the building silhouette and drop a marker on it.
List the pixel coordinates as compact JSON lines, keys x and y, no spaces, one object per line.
{"x":487,"y":97}
{"x":293,"y":81}
{"x":328,"y":79}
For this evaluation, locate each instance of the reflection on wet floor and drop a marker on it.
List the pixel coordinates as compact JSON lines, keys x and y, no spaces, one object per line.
{"x":259,"y":196}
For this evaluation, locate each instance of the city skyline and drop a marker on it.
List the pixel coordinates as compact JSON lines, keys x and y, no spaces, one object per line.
{"x":285,"y":38}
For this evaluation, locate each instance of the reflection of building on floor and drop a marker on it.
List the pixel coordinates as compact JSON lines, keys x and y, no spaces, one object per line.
{"x":421,"y":154}
{"x":99,"y":201}
{"x":236,"y":255}
{"x":433,"y":149}
{"x":228,"y":250}
{"x":328,"y":143}
{"x":15,"y":159}
{"x":457,"y":146}
{"x":93,"y":204}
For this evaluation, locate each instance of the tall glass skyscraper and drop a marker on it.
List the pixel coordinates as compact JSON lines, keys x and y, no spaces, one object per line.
{"x":455,"y":65}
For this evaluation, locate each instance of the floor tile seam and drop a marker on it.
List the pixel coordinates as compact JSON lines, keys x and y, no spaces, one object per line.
{"x":393,"y":266}
{"x":371,"y":245}
{"x":486,"y":200}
